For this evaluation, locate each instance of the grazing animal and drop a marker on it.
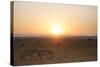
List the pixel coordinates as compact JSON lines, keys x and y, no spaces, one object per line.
{"x":22,"y":45}
{"x":29,"y":54}
{"x":58,"y":44}
{"x":36,"y":54}
{"x":45,"y":54}
{"x":89,"y":39}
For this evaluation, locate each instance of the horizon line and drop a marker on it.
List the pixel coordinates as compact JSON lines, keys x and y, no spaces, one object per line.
{"x":31,"y":35}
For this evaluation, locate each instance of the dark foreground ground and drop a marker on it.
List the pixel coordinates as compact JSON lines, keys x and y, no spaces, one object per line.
{"x":47,"y":50}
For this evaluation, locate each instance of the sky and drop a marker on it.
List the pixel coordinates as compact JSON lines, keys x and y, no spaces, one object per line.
{"x":41,"y":18}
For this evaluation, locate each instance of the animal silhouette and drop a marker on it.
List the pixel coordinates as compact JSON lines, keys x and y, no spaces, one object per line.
{"x":36,"y":54}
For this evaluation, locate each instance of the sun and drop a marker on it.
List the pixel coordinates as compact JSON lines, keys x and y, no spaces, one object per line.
{"x":56,"y":29}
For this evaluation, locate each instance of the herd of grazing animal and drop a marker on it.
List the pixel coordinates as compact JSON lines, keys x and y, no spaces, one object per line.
{"x":36,"y":54}
{"x":30,"y":54}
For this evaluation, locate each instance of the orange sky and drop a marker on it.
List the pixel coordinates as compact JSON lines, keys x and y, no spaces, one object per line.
{"x":38,"y":18}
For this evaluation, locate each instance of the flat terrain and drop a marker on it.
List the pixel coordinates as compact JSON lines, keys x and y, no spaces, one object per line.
{"x":47,"y":50}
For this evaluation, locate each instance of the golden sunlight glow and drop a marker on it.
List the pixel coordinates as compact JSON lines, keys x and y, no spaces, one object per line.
{"x":56,"y":29}
{"x":57,"y":20}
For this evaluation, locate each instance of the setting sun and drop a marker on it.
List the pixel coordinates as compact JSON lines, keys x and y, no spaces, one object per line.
{"x":56,"y":29}
{"x":45,"y":33}
{"x":60,"y":20}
